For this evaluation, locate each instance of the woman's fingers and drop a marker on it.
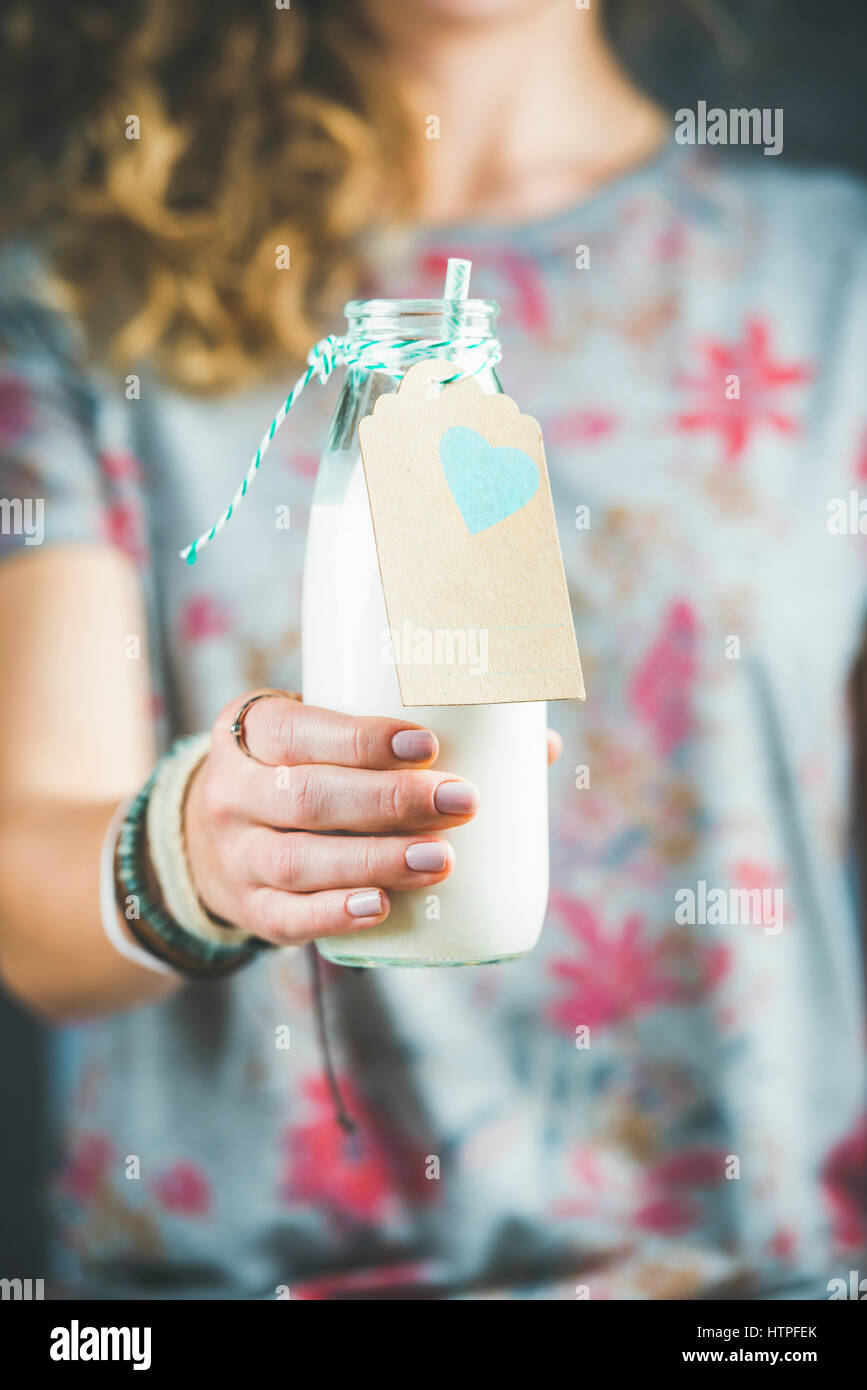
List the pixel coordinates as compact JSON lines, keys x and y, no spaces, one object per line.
{"x":282,"y":732}
{"x":287,"y":919}
{"x":321,"y":798}
{"x":555,"y":746}
{"x":300,"y":862}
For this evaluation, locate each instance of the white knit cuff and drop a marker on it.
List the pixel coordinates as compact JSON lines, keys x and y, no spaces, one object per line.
{"x":167,"y":846}
{"x":108,"y":906}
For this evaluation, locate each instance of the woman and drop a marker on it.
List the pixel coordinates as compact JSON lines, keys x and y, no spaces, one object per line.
{"x":699,"y":389}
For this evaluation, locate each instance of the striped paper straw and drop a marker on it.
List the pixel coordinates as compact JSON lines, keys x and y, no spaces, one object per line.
{"x":457,"y":287}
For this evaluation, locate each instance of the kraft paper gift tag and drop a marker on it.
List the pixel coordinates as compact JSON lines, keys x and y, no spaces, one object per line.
{"x":472,"y":575}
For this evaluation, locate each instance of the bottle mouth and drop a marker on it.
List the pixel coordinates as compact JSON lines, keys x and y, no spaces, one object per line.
{"x":380,"y":319}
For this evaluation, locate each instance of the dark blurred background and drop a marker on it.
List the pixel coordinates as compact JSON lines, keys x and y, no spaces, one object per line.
{"x":805,"y":57}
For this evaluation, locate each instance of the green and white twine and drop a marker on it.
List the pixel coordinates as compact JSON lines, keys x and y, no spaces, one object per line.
{"x":371,"y":356}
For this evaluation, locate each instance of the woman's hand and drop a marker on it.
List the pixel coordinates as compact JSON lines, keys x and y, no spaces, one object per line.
{"x":305,"y":837}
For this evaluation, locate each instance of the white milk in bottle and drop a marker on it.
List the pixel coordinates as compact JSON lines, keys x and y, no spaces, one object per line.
{"x":492,"y":905}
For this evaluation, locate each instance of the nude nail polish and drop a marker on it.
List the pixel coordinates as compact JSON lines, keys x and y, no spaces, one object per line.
{"x":367,"y":904}
{"x":413,"y":745}
{"x":456,"y":798}
{"x":428,"y":856}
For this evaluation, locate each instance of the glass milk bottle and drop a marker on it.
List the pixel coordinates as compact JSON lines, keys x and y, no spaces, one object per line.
{"x":492,"y":905}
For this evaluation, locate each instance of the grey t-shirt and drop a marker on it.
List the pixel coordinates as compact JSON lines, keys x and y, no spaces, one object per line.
{"x":701,"y":389}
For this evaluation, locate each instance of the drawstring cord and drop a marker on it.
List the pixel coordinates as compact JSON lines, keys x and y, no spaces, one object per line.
{"x":342,"y":1115}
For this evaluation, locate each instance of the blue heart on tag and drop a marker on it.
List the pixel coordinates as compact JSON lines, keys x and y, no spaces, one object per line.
{"x":487,"y":483}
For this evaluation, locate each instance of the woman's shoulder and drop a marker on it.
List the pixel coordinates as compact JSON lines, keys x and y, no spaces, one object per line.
{"x":29,"y":313}
{"x":807,"y":208}
{"x":49,"y":450}
{"x":41,"y":341}
{"x":811,"y":196}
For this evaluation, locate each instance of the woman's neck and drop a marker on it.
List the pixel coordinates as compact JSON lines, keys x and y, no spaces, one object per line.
{"x":532,"y":111}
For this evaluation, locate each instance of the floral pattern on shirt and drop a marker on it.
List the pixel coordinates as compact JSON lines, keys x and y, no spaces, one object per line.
{"x":706,"y":1132}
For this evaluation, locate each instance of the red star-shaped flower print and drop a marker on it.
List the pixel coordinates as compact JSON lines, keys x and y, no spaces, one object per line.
{"x":761,"y":379}
{"x":844,"y":1178}
{"x":349,"y":1176}
{"x":613,"y":976}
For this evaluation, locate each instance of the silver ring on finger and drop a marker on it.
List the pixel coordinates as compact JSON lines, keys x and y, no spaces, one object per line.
{"x":236,"y":729}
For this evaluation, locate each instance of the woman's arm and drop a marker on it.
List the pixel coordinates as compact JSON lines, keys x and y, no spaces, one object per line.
{"x":302,"y":839}
{"x":75,"y":738}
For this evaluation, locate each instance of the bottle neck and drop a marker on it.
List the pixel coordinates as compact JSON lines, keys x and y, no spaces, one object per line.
{"x":392,"y":334}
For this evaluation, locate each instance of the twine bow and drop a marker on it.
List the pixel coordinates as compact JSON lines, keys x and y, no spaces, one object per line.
{"x":370,"y":355}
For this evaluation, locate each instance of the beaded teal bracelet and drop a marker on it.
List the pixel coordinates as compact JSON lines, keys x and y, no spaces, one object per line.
{"x":153,"y":928}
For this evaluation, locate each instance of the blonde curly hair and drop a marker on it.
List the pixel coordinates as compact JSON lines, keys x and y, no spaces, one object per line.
{"x":259,"y":128}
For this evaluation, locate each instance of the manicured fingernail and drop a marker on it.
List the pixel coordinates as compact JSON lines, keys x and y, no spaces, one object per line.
{"x":428,"y":856}
{"x":365,"y":904}
{"x":456,"y":798}
{"x":413,"y":745}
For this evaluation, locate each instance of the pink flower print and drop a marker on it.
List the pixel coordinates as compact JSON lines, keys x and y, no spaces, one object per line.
{"x":670,"y":243}
{"x":712,"y":966}
{"x":783,"y":1246}
{"x":661,"y":690}
{"x":16,"y":409}
{"x":604,"y":1187}
{"x":183,"y":1189}
{"x":120,"y":465}
{"x":670,"y":1205}
{"x":368,"y":1282}
{"x":123,"y":526}
{"x":624,"y":1193}
{"x":748,"y":873}
{"x":306,"y":464}
{"x":345,"y":1173}
{"x":844,"y":1178}
{"x":588,"y":1168}
{"x":203,"y":617}
{"x":668,"y":1216}
{"x":761,"y":377}
{"x":861,"y":457}
{"x":616,"y":975}
{"x":87,"y":1167}
{"x":700,"y":1166}
{"x":696,"y":967}
{"x":579,"y":427}
{"x":662,"y":1195}
{"x":755,"y":877}
{"x":522,"y":274}
{"x":432,"y":267}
